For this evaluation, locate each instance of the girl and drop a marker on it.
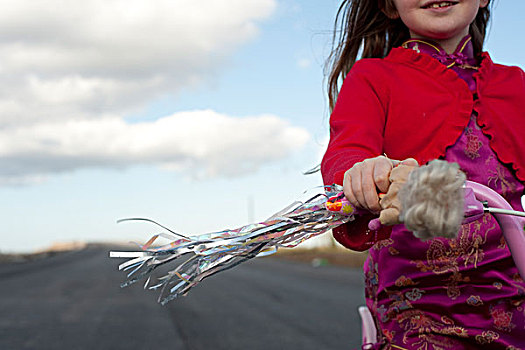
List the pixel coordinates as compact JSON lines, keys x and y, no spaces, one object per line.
{"x":425,"y":90}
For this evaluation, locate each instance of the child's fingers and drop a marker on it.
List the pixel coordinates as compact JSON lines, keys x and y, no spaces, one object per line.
{"x":368,"y":185}
{"x":357,"y":185}
{"x":362,"y":182}
{"x":382,"y":170}
{"x":347,"y":189}
{"x":401,"y":172}
{"x":357,"y":182}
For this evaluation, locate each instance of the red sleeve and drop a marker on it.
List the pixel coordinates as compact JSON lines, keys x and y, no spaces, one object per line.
{"x":356,"y":133}
{"x":355,"y":235}
{"x":357,"y":121}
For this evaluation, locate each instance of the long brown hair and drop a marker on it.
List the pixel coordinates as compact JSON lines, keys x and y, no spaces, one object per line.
{"x":370,"y":29}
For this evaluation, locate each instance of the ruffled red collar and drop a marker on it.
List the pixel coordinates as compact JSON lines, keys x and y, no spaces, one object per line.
{"x":434,"y":67}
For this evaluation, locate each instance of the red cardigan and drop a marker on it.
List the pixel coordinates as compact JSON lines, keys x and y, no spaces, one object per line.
{"x":410,"y":105}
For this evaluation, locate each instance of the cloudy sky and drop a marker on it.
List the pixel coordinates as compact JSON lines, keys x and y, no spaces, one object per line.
{"x":199,"y":114}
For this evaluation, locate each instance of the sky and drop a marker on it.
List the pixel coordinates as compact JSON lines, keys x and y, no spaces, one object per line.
{"x":201,"y":115}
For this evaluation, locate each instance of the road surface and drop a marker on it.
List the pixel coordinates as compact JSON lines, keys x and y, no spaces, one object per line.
{"x":73,"y":301}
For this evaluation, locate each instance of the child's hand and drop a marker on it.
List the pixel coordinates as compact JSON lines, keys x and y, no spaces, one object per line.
{"x":390,"y":202}
{"x":362,"y":182}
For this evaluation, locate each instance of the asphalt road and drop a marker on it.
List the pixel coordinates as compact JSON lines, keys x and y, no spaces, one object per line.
{"x":73,"y":301}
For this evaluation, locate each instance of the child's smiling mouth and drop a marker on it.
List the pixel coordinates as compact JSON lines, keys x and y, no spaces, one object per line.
{"x":438,"y":4}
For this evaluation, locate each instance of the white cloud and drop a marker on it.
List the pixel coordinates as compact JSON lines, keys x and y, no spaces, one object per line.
{"x":114,"y":55}
{"x":72,"y":70}
{"x":198,"y":143}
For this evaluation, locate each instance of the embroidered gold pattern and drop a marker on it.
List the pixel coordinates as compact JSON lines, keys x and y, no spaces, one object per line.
{"x":486,"y":337}
{"x":393,"y":251}
{"x":428,"y":331}
{"x":382,"y":244}
{"x":473,"y":145}
{"x":404,"y":281}
{"x":474,"y":300}
{"x":497,"y":179}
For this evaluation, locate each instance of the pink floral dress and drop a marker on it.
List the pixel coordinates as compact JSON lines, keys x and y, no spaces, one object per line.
{"x":462,"y":293}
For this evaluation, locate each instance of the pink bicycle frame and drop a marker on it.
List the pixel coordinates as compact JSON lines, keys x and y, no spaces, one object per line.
{"x":511,"y":226}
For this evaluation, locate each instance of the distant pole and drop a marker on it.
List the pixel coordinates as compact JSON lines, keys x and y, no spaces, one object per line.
{"x":250,"y":208}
